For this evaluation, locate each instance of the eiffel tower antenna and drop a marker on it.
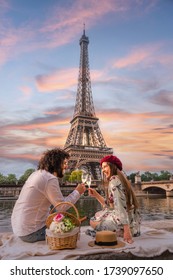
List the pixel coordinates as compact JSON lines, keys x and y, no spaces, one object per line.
{"x":85,"y":142}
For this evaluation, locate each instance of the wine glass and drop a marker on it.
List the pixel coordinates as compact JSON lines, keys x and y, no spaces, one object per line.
{"x":84,"y":177}
{"x":88,"y":181}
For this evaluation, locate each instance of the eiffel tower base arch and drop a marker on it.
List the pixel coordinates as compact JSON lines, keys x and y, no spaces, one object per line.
{"x":88,"y":159}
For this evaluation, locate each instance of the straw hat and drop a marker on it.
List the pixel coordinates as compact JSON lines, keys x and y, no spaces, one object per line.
{"x":106,"y":239}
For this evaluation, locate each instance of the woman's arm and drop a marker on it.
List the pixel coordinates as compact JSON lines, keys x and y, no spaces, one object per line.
{"x":94,"y":193}
{"x":127,"y":234}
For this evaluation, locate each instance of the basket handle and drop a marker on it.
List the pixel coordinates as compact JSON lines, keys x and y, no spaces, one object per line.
{"x":67,"y":203}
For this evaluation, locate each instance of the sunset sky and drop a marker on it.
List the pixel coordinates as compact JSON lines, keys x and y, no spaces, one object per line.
{"x":131,"y":67}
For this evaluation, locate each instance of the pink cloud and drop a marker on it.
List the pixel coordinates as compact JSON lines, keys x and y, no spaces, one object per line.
{"x":89,"y":11}
{"x":145,"y":138}
{"x":146,"y":55}
{"x":62,"y":79}
{"x":27,"y":92}
{"x":58,"y":80}
{"x":138,"y":55}
{"x":143,"y":142}
{"x":61,"y":26}
{"x":36,"y":125}
{"x":8,"y":41}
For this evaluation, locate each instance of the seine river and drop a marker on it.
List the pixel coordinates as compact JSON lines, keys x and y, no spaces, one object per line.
{"x":155,"y":208}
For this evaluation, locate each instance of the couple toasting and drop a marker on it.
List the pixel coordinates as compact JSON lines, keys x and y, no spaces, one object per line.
{"x":41,"y":190}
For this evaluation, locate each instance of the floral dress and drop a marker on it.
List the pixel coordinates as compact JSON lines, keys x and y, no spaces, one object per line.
{"x":116,"y":214}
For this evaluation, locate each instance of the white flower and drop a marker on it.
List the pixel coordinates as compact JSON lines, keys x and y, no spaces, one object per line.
{"x":64,"y":225}
{"x":53,"y":226}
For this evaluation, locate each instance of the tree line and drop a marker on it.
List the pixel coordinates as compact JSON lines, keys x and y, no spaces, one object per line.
{"x":75,"y":177}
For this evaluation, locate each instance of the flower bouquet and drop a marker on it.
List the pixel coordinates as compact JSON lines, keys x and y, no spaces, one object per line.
{"x":61,"y":224}
{"x":62,"y":229}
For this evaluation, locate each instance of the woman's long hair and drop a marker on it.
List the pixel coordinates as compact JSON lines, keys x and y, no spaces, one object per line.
{"x":52,"y":161}
{"x":130,"y":196}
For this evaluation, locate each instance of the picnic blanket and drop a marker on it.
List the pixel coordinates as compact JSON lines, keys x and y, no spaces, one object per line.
{"x":152,"y":242}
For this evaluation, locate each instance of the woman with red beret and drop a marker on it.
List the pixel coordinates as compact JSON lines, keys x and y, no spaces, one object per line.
{"x":120,"y":208}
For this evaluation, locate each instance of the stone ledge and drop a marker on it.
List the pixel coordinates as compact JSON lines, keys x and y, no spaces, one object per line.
{"x":125,"y":256}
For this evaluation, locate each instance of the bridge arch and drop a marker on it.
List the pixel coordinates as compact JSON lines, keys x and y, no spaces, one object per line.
{"x":154,"y":189}
{"x":158,"y":187}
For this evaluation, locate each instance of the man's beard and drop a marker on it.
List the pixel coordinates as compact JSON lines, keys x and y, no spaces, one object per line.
{"x":61,"y":175}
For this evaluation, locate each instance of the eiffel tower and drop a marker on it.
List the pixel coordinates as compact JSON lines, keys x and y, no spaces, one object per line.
{"x":85,"y":142}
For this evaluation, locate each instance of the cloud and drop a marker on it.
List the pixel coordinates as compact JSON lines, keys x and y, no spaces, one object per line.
{"x":136,"y":133}
{"x":56,"y":116}
{"x":144,"y":54}
{"x":164,"y":98}
{"x":36,"y":133}
{"x":133,"y":134}
{"x":26,"y":92}
{"x":89,"y":11}
{"x":58,"y":80}
{"x":60,"y":27}
{"x":146,"y":69}
{"x":144,"y":136}
{"x":63,"y":79}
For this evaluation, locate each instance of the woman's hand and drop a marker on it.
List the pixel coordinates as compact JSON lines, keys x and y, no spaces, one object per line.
{"x":92,"y":192}
{"x":127,"y":234}
{"x":94,"y":223}
{"x":81,"y":188}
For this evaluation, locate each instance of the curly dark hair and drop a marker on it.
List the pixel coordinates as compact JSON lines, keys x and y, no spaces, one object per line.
{"x":52,"y":161}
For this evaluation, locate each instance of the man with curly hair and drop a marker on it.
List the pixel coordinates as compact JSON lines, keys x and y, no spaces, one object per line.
{"x":40,"y":191}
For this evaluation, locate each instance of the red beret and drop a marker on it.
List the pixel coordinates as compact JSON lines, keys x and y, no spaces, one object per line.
{"x":114,"y":160}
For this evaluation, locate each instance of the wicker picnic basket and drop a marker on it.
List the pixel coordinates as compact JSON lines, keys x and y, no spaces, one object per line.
{"x":63,"y":240}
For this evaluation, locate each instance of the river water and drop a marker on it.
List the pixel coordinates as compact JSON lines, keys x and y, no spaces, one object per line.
{"x":155,"y":208}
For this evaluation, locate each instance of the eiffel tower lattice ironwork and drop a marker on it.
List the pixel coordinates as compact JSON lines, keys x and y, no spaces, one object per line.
{"x":85,"y":142}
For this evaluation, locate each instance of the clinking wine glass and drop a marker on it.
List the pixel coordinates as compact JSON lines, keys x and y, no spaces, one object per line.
{"x":88,"y":181}
{"x":84,"y":177}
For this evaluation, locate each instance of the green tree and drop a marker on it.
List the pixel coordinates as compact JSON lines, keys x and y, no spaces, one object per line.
{"x":11,"y":179}
{"x":164,"y":175}
{"x":66,"y":177}
{"x":3,"y":179}
{"x":155,"y":176}
{"x":75,"y":176}
{"x":146,"y":176}
{"x":25,"y":176}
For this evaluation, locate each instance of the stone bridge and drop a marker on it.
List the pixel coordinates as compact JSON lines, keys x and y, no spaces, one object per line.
{"x":166,"y":185}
